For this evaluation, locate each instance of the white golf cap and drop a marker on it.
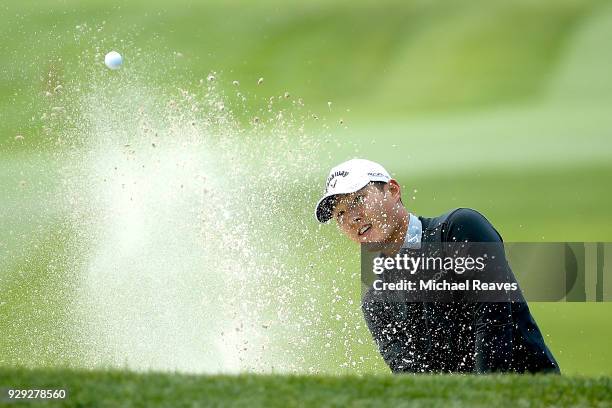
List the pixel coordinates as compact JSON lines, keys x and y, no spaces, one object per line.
{"x":346,"y":178}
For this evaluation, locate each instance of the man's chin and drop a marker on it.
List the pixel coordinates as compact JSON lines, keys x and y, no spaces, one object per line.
{"x":389,"y":248}
{"x":367,"y":239}
{"x":373,"y":241}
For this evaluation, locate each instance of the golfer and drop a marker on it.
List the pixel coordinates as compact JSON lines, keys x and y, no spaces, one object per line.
{"x":429,"y":337}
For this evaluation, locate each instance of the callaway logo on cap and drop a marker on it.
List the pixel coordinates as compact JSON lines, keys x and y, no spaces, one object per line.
{"x":346,"y":178}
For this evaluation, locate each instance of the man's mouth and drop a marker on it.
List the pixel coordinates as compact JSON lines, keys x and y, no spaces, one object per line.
{"x":364,"y":229}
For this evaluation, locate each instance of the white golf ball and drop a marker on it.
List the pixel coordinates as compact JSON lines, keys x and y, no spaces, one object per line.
{"x":113,"y":60}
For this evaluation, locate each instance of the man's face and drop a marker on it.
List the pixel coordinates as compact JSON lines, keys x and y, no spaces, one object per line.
{"x":367,"y":215}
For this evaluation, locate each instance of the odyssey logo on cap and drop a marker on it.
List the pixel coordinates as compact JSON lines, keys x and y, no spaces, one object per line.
{"x":346,"y":178}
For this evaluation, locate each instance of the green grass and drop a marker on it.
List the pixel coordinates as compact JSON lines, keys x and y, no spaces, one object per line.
{"x":126,"y":389}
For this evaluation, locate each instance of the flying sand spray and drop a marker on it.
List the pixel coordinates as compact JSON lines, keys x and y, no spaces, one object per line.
{"x":188,"y":229}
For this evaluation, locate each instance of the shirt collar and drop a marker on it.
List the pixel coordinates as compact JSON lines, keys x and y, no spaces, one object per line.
{"x":414,"y":233}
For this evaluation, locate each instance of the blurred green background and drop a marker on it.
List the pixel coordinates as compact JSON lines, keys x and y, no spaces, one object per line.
{"x":496,"y":105}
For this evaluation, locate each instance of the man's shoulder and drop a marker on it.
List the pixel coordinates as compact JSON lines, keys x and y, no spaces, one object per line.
{"x":455,"y":215}
{"x":457,"y":219}
{"x":462,"y":216}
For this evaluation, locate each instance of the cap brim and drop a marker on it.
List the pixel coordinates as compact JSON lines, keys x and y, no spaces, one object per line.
{"x":324,"y":208}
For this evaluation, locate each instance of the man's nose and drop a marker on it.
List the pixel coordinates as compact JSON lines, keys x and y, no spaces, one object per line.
{"x":355,"y":218}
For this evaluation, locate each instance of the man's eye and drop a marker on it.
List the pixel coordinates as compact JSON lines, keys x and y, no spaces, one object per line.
{"x":359,"y":199}
{"x":340,"y":214}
